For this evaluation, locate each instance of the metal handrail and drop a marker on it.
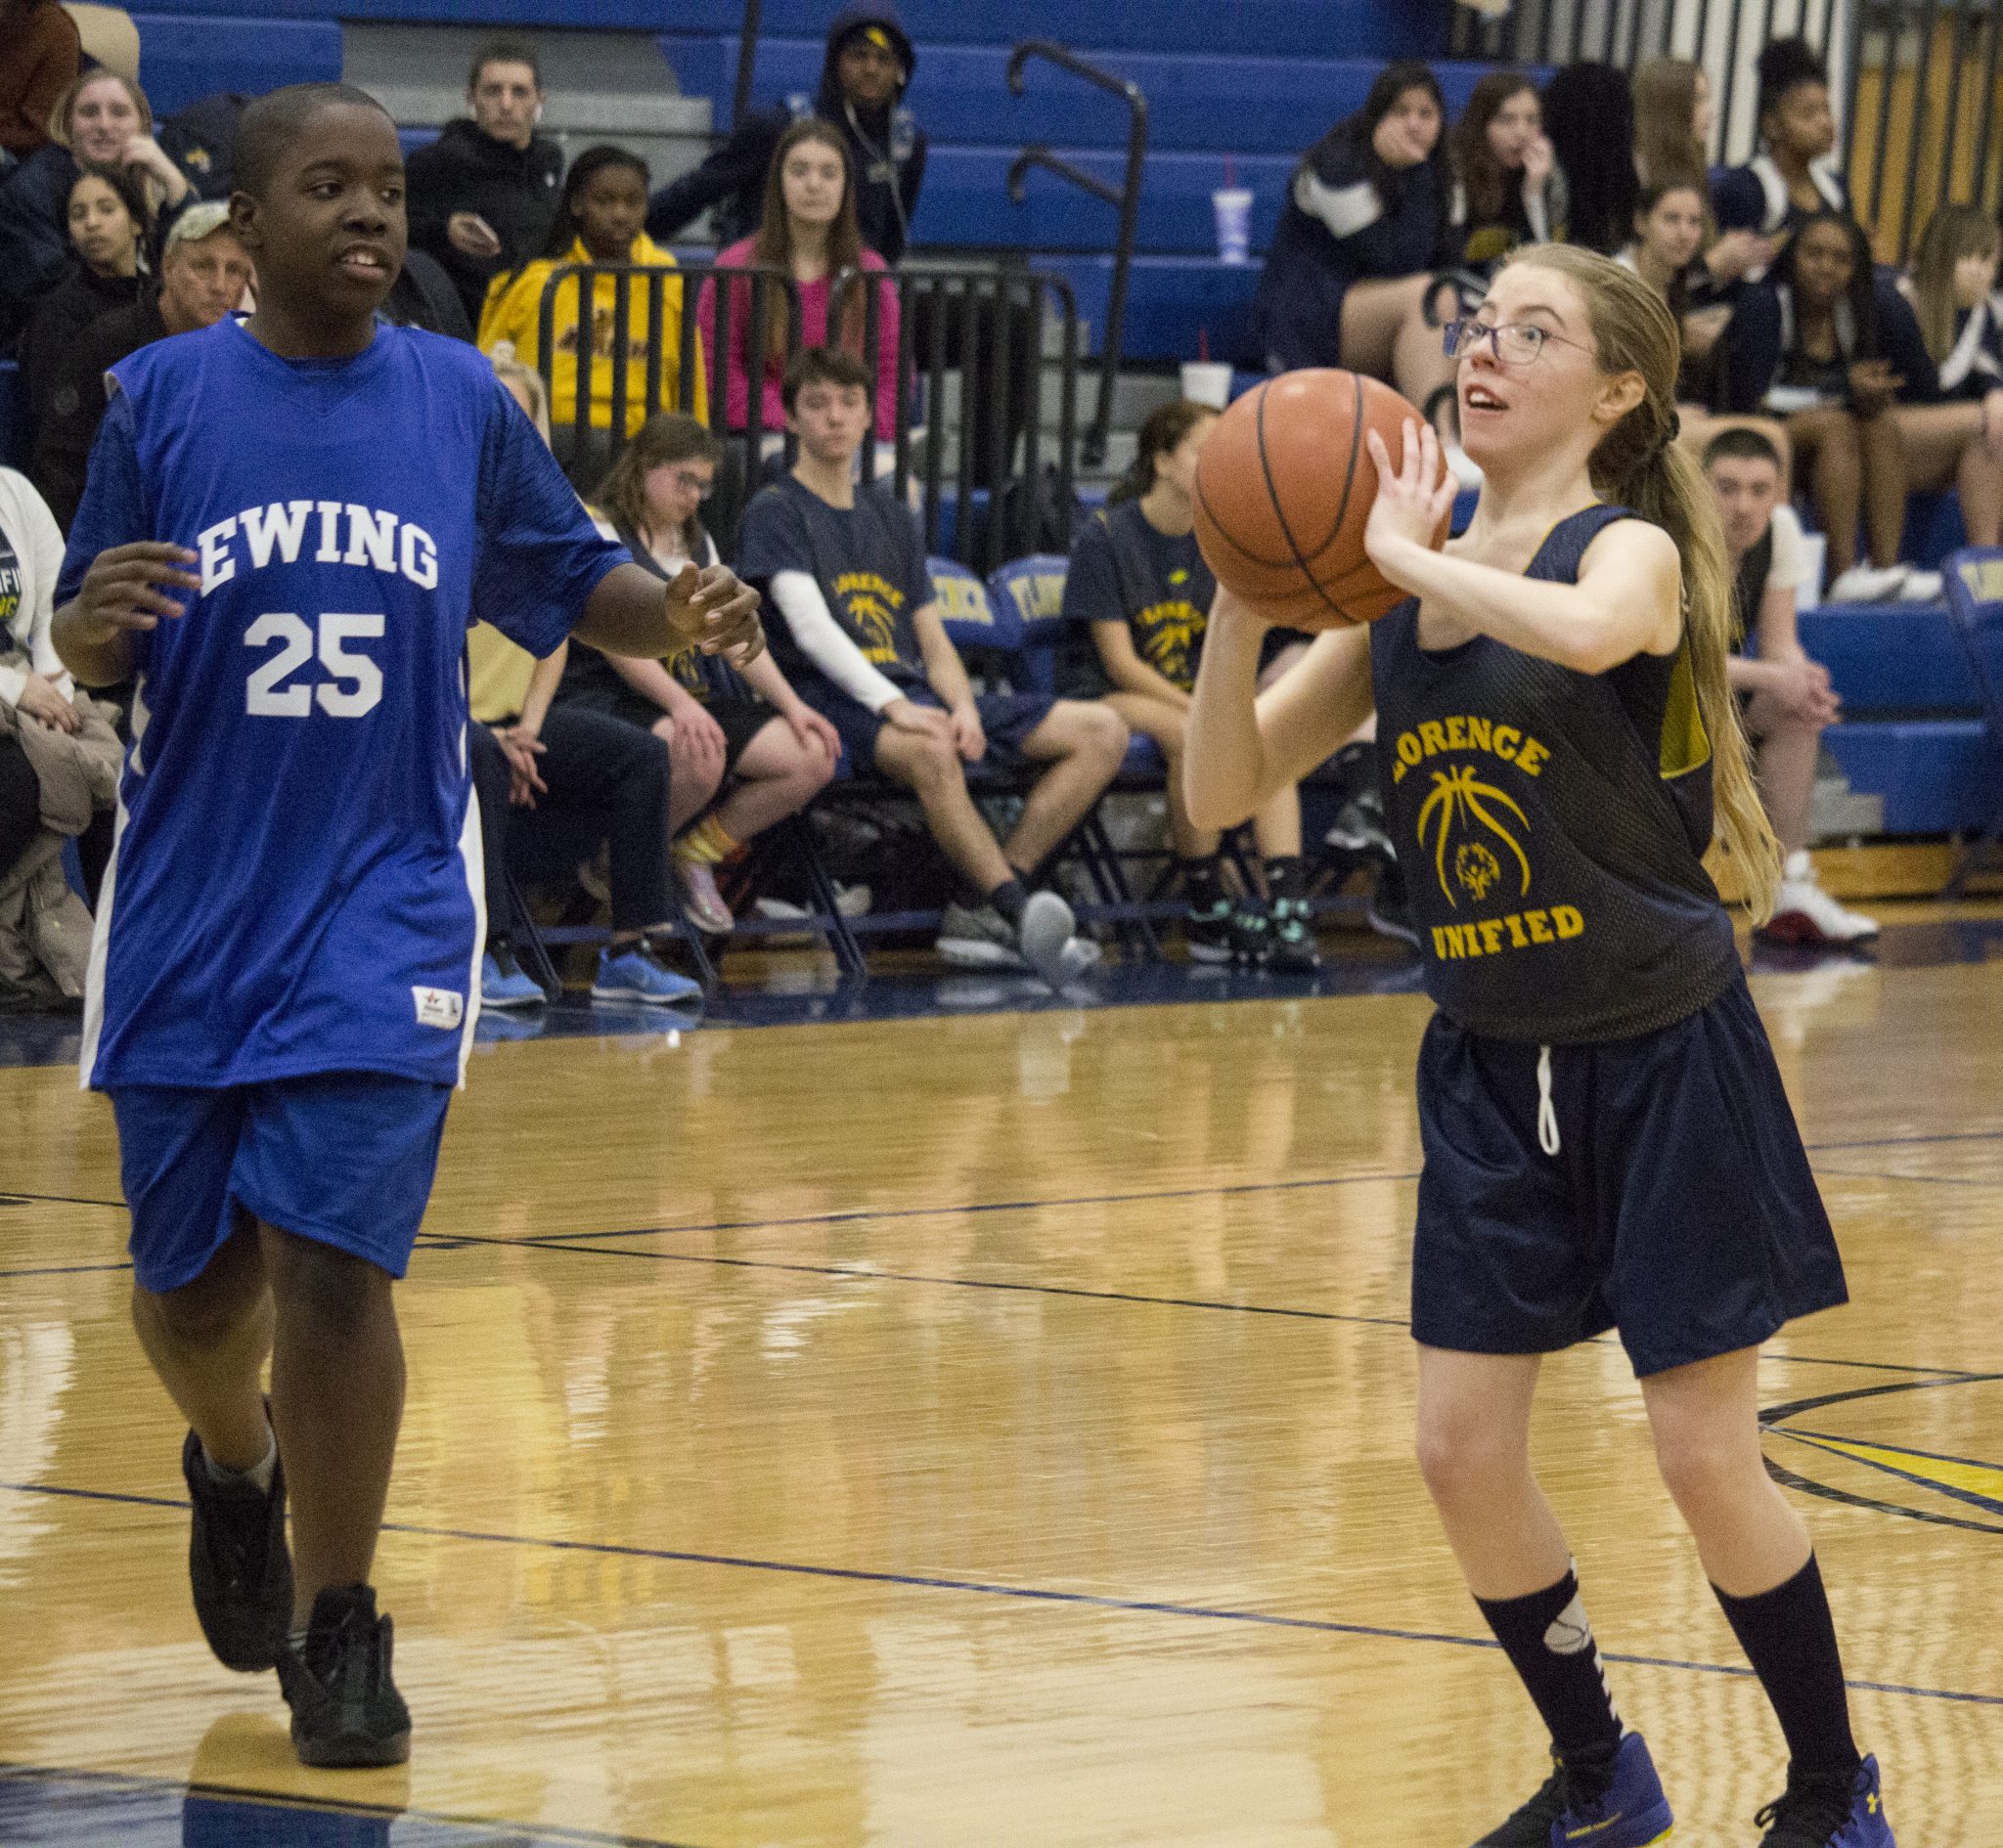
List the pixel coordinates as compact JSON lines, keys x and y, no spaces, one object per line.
{"x":593,"y":446}
{"x":747,"y":62}
{"x":977,"y":321}
{"x":1127,"y":199}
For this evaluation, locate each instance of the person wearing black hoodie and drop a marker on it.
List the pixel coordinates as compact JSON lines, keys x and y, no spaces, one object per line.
{"x":868,"y":68}
{"x":483,"y":196}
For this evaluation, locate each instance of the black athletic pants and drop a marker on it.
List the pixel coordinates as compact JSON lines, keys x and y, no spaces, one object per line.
{"x":608,"y":779}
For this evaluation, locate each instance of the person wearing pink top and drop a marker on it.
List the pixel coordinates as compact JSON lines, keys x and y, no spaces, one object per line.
{"x":809,"y":233}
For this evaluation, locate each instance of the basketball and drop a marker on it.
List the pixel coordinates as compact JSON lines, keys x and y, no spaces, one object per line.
{"x":1283,"y":491}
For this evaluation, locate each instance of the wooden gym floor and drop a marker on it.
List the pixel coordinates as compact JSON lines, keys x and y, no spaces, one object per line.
{"x":995,"y":1430}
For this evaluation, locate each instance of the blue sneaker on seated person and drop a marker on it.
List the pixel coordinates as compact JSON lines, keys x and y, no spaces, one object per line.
{"x":505,"y":984}
{"x":635,"y":972}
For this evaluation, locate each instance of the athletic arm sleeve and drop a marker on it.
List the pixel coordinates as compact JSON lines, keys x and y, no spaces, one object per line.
{"x":1791,"y":563}
{"x":818,"y":635}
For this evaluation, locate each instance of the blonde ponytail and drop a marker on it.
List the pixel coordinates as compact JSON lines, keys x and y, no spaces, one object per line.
{"x":1640,"y":464}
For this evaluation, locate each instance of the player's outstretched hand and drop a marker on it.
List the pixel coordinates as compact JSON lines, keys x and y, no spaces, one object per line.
{"x":128,"y":585}
{"x":1412,"y":499}
{"x":716,"y":611}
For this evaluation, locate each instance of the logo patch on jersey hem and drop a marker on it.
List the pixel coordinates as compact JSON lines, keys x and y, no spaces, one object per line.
{"x":439,"y":1008}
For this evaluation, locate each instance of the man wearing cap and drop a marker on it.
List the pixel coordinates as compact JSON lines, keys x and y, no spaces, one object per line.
{"x":869,"y":64}
{"x":205,"y":273}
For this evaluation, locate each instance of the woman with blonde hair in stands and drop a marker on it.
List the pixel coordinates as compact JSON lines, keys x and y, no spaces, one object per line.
{"x":1608,"y":1143}
{"x":1674,"y":118}
{"x":102,"y":123}
{"x":748,"y":739}
{"x":809,"y":233}
{"x":601,"y":224}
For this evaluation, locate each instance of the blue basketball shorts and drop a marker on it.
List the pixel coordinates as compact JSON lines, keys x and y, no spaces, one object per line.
{"x":345,"y":1158}
{"x":1679,"y":1207}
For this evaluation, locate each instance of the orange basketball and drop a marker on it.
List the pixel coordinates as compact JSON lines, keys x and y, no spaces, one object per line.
{"x":1283,"y":491}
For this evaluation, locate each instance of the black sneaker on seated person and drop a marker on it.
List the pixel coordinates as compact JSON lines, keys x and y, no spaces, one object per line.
{"x":1292,"y":949}
{"x":238,"y":1568}
{"x":346,"y":1711}
{"x":1207,"y":931}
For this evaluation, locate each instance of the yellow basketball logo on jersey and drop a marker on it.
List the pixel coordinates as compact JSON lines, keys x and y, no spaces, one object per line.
{"x":870,"y":606}
{"x":1458,"y":805}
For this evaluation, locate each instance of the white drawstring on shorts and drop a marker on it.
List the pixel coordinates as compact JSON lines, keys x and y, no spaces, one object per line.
{"x":1547,"y":1111}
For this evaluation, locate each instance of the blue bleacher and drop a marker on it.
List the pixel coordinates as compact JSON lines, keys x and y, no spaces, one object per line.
{"x":1223,"y":104}
{"x":1286,"y":28}
{"x":1910,"y":735}
{"x":186,"y":54}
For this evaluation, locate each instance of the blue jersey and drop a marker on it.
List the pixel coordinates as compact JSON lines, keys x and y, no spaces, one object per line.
{"x":296,"y":883}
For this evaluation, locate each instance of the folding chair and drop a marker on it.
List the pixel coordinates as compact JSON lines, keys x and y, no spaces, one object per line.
{"x":1027,"y":597}
{"x":1975,"y":601}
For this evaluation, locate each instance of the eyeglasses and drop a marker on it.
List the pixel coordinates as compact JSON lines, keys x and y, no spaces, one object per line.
{"x":1514,"y":344}
{"x":690,"y":482}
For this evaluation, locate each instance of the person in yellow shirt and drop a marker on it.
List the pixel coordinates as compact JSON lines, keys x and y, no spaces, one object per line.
{"x":604,"y":207}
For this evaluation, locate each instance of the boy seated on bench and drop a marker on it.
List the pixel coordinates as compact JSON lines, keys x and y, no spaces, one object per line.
{"x":862,"y":641}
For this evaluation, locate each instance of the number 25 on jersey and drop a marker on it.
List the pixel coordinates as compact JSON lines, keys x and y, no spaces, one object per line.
{"x":354,"y":682}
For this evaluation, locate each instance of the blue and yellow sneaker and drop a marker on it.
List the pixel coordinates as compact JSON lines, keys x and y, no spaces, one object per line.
{"x":635,"y":972}
{"x":1818,"y":1810}
{"x":1620,"y":1807}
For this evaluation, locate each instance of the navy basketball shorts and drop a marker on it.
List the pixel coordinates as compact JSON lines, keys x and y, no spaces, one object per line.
{"x":344,"y":1158}
{"x":1679,"y":1207}
{"x":1006,"y":717}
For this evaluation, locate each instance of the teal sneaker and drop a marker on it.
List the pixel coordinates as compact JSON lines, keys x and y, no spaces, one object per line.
{"x":635,"y":972}
{"x":1821,"y":1811}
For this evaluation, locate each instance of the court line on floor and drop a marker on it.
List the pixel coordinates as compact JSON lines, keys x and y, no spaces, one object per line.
{"x":1925,"y":1180}
{"x":554,"y":1834}
{"x":854,"y":1274}
{"x":1028,"y":1594}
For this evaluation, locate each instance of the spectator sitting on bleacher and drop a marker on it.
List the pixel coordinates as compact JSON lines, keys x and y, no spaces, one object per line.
{"x":1960,"y":439}
{"x":1507,"y":190}
{"x":483,"y":197}
{"x":1673,"y":123}
{"x":1787,"y":183}
{"x":1590,"y":116}
{"x":1137,"y":598}
{"x":809,"y":231}
{"x":1669,"y":236}
{"x":1349,"y":277}
{"x":579,"y":768}
{"x":1785,"y":697}
{"x":604,"y":201}
{"x":107,"y":230}
{"x":205,"y":273}
{"x":861,"y":639}
{"x":743,"y":733}
{"x":40,"y":54}
{"x":101,"y":125}
{"x":59,"y":764}
{"x":1818,"y":345}
{"x":869,"y":64}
